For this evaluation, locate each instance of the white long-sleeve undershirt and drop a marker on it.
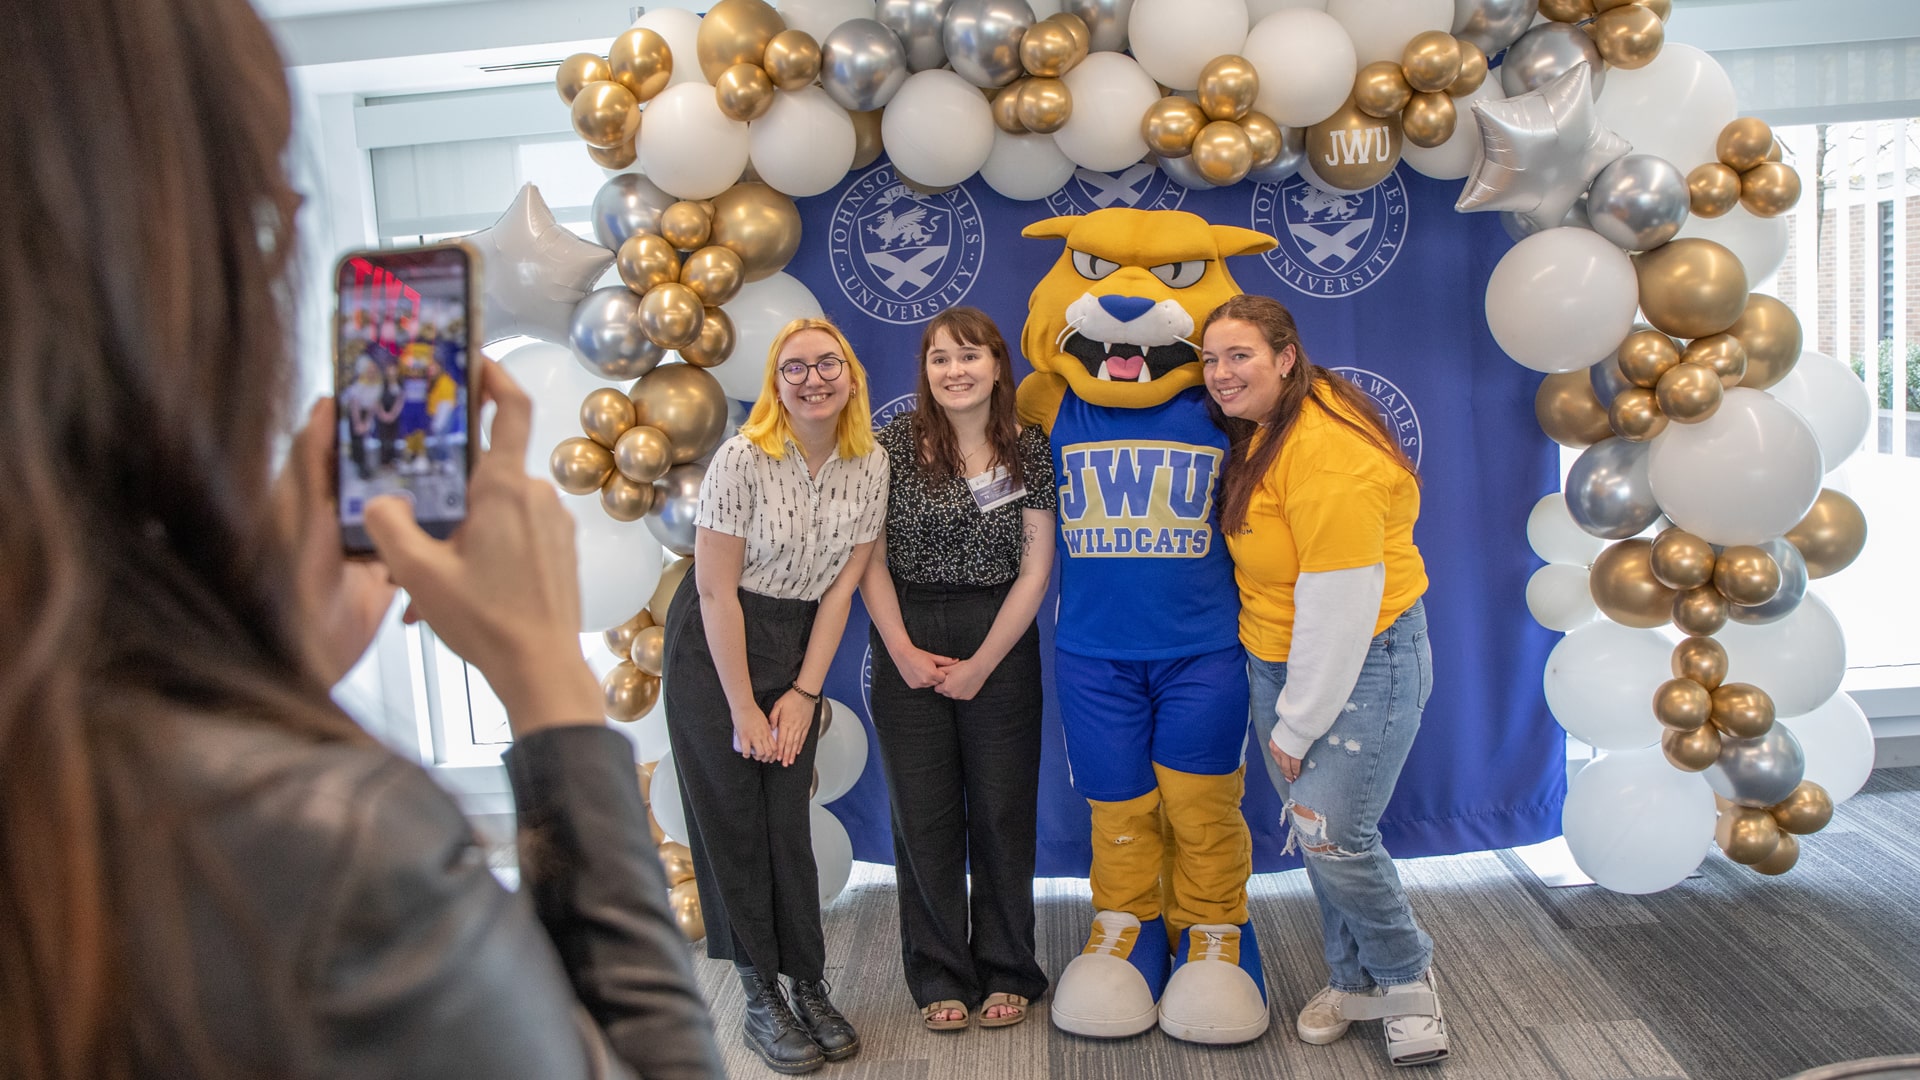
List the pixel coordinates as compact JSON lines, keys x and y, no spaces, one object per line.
{"x":1334,"y":612}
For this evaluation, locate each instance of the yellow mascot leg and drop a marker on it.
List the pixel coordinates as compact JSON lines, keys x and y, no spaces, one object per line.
{"x":1217,"y":993}
{"x":1112,"y":989}
{"x":1126,"y":856}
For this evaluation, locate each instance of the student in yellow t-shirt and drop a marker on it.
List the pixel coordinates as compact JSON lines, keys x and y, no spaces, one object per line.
{"x":1318,"y":507}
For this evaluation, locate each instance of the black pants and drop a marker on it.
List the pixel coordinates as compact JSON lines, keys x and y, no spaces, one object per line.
{"x":964,"y":778}
{"x":747,"y":821}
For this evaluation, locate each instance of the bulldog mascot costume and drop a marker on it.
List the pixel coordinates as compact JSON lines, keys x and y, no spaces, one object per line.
{"x":1151,"y":676}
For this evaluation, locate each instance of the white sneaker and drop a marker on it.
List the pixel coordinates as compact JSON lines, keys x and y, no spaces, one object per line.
{"x":1323,"y":1020}
{"x":1417,"y":1037}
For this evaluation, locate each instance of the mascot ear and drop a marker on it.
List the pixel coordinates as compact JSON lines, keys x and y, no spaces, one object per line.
{"x":1234,"y":240}
{"x":1057,"y":228}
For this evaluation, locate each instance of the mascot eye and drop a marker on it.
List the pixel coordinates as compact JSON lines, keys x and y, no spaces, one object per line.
{"x":1092,"y":267}
{"x":1179,"y":275}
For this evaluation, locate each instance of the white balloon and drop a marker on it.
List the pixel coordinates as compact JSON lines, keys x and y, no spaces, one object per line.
{"x":1636,"y":824}
{"x":1381,"y":28}
{"x":1026,"y":167}
{"x":688,"y":146}
{"x":649,"y":734}
{"x":663,"y":798}
{"x":1559,"y":597}
{"x":1745,"y":474}
{"x":618,"y":563}
{"x":1110,"y":95}
{"x":1833,"y":401}
{"x":759,"y":312}
{"x":938,"y":128}
{"x":1306,"y":65}
{"x":805,"y":143}
{"x":1600,"y":680}
{"x":1556,"y":537}
{"x":1799,"y":660}
{"x":1760,"y":243}
{"x":557,"y":384}
{"x":841,"y":756}
{"x":1260,"y":9}
{"x":681,"y":28}
{"x":1453,"y":159}
{"x":1838,"y":743}
{"x":1562,"y":299}
{"x":832,"y":852}
{"x":819,"y":17}
{"x":1672,"y":108}
{"x":1174,"y":39}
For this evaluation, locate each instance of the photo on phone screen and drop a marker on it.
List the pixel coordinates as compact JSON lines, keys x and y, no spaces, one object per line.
{"x":402,"y":385}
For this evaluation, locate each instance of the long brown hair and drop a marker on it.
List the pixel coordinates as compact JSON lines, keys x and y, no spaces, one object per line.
{"x":1250,"y":459}
{"x":940,"y":458}
{"x":146,"y":227}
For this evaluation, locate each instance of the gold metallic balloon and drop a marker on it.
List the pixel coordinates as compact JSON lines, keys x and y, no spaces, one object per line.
{"x":619,"y":640}
{"x":649,"y":647}
{"x":1701,"y":659}
{"x":1700,"y":610}
{"x":605,"y":114}
{"x":646,"y":769}
{"x":670,"y":315}
{"x":1044,"y":105}
{"x":1689,"y":393}
{"x":1628,"y":37}
{"x":1746,"y":835}
{"x":1006,"y":107}
{"x":792,"y":59}
{"x":1743,"y":143}
{"x":1569,"y":412}
{"x":1742,"y":710}
{"x":1771,"y":333}
{"x":645,"y":260}
{"x":580,"y":466}
{"x":1353,"y":151}
{"x":735,"y":32}
{"x":1682,"y":704}
{"x":1832,"y":534}
{"x":1712,"y":190}
{"x":1746,"y":575}
{"x":670,"y":578}
{"x":618,"y":158}
{"x":687,"y":405}
{"x":1265,"y":137}
{"x":761,"y":225}
{"x":1076,"y":26}
{"x":1566,"y":11}
{"x":1228,"y":85}
{"x":577,"y":71}
{"x":629,"y":692}
{"x":1691,"y":287}
{"x":1691,"y":751}
{"x":744,"y":92}
{"x":1777,"y":152}
{"x":1049,"y":49}
{"x":684,"y":901}
{"x":1807,"y":810}
{"x":605,"y":415}
{"x":677,"y":861}
{"x":1646,"y":355}
{"x":1222,"y":153}
{"x":641,"y":62}
{"x":866,"y":139}
{"x":654,"y":831}
{"x":1769,"y":189}
{"x":624,"y":500}
{"x":1662,"y":8}
{"x":1600,"y":6}
{"x":1785,"y":855}
{"x":1431,"y":61}
{"x":1635,"y":414}
{"x":1473,"y":70}
{"x":1624,"y":587}
{"x":1380,"y":90}
{"x":1428,"y":119}
{"x":686,"y":225}
{"x":1722,"y":353}
{"x":714,"y":273}
{"x":1171,"y":125}
{"x":643,"y":454}
{"x":715,"y":343}
{"x":1682,"y":560}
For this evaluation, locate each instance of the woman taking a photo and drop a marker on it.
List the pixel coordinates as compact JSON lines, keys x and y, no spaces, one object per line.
{"x":956,"y":673}
{"x":1318,"y":511}
{"x":789,"y":511}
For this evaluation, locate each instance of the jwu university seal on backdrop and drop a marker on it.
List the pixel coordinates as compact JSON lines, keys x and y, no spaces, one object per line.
{"x":903,"y":257}
{"x":1331,"y":245}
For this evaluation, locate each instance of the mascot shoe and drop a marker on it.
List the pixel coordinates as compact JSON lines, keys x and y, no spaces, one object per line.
{"x":1218,"y":993}
{"x":1112,"y":989}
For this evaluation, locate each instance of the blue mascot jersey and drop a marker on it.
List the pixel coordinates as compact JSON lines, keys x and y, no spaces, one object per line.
{"x":1137,"y":531}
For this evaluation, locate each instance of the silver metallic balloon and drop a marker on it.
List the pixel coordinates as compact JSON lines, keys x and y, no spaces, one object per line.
{"x":1293,"y":150}
{"x":1607,"y":379}
{"x":1182,"y":171}
{"x":917,"y":24}
{"x":1608,"y":491}
{"x":606,"y":335}
{"x":1639,"y":202}
{"x":1793,"y":586}
{"x":627,"y":204}
{"x":862,"y":65}
{"x":676,"y":501}
{"x":983,"y":37}
{"x":1547,"y":52}
{"x":1758,"y":772}
{"x":1492,"y":24}
{"x":1106,"y":22}
{"x":1539,"y":151}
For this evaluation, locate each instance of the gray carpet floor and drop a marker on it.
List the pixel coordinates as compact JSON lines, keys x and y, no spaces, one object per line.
{"x":1729,"y":976}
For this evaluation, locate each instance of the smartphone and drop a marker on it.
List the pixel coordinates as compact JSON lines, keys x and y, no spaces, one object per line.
{"x":406,"y":350}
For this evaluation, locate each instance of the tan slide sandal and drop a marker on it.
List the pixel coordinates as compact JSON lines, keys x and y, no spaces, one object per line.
{"x":1010,"y":1001}
{"x":934,"y":1023}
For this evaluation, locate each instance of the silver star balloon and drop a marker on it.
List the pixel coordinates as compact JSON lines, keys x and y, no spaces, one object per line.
{"x":533,"y":271}
{"x":1539,"y":151}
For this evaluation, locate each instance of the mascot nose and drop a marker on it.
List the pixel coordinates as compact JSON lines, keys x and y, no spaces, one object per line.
{"x":1126,"y":308}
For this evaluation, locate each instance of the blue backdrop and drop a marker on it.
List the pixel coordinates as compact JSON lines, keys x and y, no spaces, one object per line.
{"x":1388,"y":288}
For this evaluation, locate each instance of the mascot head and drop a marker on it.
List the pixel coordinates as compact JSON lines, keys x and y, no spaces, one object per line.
{"x":1116,"y":315}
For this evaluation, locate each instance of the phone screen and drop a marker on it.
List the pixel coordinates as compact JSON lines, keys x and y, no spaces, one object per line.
{"x":402,"y":385}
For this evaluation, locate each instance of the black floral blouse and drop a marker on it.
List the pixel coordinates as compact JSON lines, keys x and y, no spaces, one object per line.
{"x":939,"y":535}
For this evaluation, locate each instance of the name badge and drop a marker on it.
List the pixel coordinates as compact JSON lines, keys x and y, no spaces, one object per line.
{"x":993,"y":490}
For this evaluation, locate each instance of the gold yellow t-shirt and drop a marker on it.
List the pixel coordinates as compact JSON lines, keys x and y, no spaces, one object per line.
{"x":1332,"y":501}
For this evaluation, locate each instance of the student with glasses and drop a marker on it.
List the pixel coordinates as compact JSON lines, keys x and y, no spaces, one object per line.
{"x":789,"y":511}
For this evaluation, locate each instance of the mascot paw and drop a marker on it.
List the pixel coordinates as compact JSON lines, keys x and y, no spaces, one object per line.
{"x":1112,"y":988}
{"x":1218,"y":992}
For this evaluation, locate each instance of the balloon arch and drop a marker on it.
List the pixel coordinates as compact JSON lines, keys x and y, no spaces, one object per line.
{"x":1692,"y":520}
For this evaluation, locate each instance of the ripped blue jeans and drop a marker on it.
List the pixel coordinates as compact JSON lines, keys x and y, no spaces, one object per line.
{"x":1335,"y":806}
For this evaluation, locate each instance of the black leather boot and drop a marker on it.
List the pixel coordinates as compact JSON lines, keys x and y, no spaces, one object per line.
{"x":771,"y":1029}
{"x":830,"y":1031}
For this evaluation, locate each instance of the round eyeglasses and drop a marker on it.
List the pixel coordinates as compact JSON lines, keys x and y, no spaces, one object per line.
{"x":795,"y":371}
